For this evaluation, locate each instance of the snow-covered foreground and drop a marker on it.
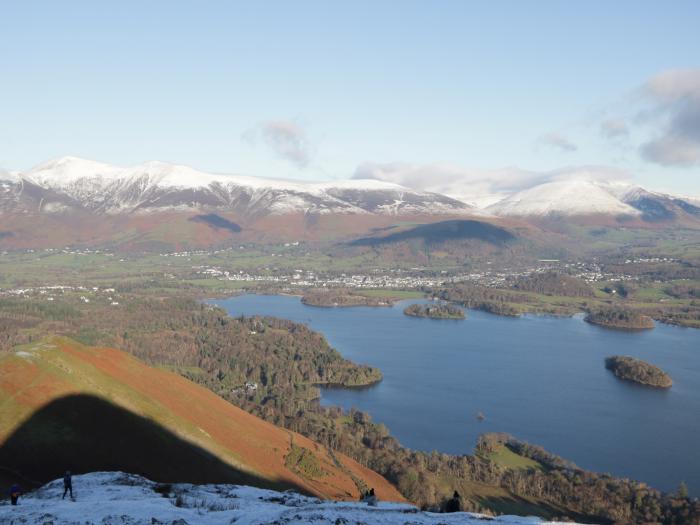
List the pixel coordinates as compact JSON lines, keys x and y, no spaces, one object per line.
{"x":114,"y":498}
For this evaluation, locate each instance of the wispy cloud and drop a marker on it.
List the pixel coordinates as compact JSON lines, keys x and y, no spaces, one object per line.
{"x":675,"y":95}
{"x":557,"y":140}
{"x":614,"y":128}
{"x":287,"y":139}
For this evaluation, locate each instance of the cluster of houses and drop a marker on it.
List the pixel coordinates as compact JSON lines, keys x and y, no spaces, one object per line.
{"x":415,"y":278}
{"x":49,"y":293}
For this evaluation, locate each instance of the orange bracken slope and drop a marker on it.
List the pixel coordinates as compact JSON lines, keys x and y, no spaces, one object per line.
{"x":41,"y":374}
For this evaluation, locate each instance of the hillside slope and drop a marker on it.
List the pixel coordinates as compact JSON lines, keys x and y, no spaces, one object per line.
{"x":65,"y":405}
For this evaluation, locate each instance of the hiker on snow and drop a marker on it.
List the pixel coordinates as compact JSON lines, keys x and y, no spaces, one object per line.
{"x":67,"y":484}
{"x":370,"y":498}
{"x":15,"y":492}
{"x":454,"y":504}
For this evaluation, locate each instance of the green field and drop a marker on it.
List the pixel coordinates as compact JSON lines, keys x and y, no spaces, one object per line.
{"x":505,"y":457}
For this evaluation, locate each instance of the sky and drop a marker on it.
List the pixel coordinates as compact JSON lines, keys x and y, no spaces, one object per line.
{"x":494,"y":95}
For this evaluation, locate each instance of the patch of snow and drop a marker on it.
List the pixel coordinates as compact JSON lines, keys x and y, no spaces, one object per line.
{"x":115,"y":498}
{"x":54,"y":207}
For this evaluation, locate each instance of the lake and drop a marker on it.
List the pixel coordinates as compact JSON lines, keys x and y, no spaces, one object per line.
{"x":541,"y":379}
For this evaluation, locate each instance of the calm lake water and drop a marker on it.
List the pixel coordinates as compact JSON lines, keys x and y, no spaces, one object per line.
{"x":541,"y":379}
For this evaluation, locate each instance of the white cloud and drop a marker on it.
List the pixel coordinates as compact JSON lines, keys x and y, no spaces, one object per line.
{"x":285,"y":138}
{"x":479,"y":187}
{"x":675,"y":95}
{"x":557,"y":140}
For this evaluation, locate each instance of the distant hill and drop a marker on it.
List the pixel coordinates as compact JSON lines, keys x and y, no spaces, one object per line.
{"x":443,"y":231}
{"x":68,"y":406}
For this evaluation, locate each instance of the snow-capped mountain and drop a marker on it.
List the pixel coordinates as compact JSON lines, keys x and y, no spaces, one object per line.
{"x":582,"y":197}
{"x":72,"y":183}
{"x":115,"y":498}
{"x":569,"y":197}
{"x":655,"y":206}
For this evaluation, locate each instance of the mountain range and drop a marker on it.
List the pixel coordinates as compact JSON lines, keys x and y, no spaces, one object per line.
{"x":71,"y":183}
{"x":156,"y":203}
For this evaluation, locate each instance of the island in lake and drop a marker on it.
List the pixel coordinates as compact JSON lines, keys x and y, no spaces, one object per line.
{"x":639,"y":371}
{"x":618,"y":318}
{"x":434,"y":311}
{"x":343,"y":298}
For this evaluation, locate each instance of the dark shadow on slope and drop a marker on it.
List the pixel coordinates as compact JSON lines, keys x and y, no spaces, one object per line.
{"x":444,"y":231}
{"x":216,"y":221}
{"x":84,"y":433}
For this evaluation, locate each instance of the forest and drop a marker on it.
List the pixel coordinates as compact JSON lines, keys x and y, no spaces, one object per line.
{"x":492,"y":300}
{"x":552,"y":283}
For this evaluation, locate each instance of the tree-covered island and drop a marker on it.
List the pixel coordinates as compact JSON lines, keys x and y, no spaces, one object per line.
{"x":434,"y":311}
{"x":620,"y":318}
{"x":639,"y":371}
{"x":343,"y":298}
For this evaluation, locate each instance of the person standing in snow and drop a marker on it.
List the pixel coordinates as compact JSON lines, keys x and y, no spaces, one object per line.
{"x":67,"y":485}
{"x":454,"y":504}
{"x":371,"y":499}
{"x":15,"y":492}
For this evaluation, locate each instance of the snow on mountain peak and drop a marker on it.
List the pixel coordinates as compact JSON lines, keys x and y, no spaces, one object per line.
{"x":155,"y":185}
{"x":66,"y":170}
{"x":577,"y":196}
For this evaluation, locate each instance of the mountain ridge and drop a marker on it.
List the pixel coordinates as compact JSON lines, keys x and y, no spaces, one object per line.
{"x":74,"y":183}
{"x":70,"y":183}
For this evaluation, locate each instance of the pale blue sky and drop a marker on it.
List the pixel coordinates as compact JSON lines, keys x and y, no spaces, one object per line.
{"x":479,"y":85}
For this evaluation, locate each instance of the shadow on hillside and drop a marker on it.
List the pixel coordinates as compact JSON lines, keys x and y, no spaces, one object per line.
{"x":444,"y":231}
{"x":84,"y":433}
